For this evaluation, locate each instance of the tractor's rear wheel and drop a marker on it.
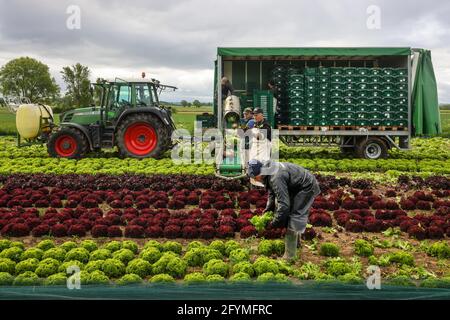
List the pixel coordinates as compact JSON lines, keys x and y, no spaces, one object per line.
{"x":67,"y":143}
{"x":142,"y":136}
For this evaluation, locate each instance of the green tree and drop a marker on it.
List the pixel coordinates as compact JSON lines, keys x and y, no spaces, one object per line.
{"x":184,"y":103}
{"x":28,"y":77}
{"x":76,"y":78}
{"x":196,"y":103}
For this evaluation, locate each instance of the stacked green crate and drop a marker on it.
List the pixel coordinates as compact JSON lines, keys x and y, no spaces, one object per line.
{"x":278,"y":75}
{"x":296,"y":94}
{"x":311,"y":96}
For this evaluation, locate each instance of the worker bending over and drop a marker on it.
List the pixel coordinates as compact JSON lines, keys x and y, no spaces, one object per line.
{"x":292,"y":190}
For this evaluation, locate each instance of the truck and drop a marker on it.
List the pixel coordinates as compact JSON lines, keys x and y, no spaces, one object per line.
{"x":364,"y":100}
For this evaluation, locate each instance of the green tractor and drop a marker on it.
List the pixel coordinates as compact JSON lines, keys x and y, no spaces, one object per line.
{"x":129,"y":117}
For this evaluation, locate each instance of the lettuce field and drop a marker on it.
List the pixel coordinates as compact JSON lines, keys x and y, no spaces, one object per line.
{"x":128,"y":221}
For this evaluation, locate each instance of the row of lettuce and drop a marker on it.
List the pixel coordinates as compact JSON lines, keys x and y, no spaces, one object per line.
{"x":393,"y":167}
{"x":433,"y":149}
{"x":125,"y":262}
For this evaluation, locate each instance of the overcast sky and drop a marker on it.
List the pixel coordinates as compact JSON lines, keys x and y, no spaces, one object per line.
{"x":176,"y":41}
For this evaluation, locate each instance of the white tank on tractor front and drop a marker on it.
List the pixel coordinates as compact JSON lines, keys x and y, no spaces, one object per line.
{"x":31,"y":119}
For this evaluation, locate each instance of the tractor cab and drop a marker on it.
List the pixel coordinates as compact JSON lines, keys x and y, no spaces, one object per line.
{"x":128,"y":115}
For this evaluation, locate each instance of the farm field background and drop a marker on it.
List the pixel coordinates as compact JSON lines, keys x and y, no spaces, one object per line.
{"x":128,"y":221}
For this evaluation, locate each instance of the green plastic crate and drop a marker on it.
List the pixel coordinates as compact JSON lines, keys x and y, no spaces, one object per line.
{"x":310,"y":122}
{"x":323,"y":108}
{"x":400,"y":108}
{"x":335,"y":107}
{"x":362,"y":122}
{"x":335,"y":115}
{"x":350,"y":71}
{"x":401,"y":123}
{"x":349,"y":122}
{"x":388,"y":71}
{"x":362,"y":108}
{"x":323,"y":71}
{"x":364,"y":93}
{"x":324,"y":86}
{"x":337,"y":122}
{"x":297,"y":121}
{"x":336,"y":100}
{"x":364,"y":79}
{"x":297,"y":107}
{"x":296,"y":78}
{"x":401,"y":101}
{"x":389,"y":79}
{"x":363,"y":71}
{"x":401,"y":116}
{"x":363,"y":86}
{"x":388,"y":94}
{"x":390,"y":101}
{"x":310,"y":115}
{"x":323,"y":94}
{"x":350,"y":93}
{"x":377,"y":101}
{"x":297,"y":100}
{"x":296,"y":93}
{"x":400,"y":72}
{"x":337,"y":79}
{"x":336,"y":71}
{"x":310,"y":71}
{"x":292,"y":70}
{"x":376,"y":86}
{"x":350,"y":101}
{"x":376,"y":79}
{"x":388,"y":122}
{"x":376,"y":122}
{"x":346,"y":108}
{"x":375,"y":107}
{"x":350,"y":86}
{"x":376,"y":71}
{"x":362,"y":115}
{"x":402,"y":87}
{"x":337,"y":86}
{"x":351,"y":79}
{"x":296,"y":86}
{"x":297,"y":115}
{"x":375,"y":94}
{"x":375,"y":115}
{"x":322,"y":80}
{"x":311,"y":108}
{"x":401,"y":79}
{"x":311,"y":79}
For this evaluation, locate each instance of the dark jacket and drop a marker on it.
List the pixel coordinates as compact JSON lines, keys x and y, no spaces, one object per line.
{"x":227,"y":89}
{"x":265,"y":125}
{"x":284,"y":185}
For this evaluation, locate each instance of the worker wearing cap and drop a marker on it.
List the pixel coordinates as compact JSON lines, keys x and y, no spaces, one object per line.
{"x":247,"y":122}
{"x":292,"y":190}
{"x":262,"y":123}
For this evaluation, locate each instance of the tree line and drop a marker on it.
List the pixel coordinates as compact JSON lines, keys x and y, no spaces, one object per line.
{"x":28,"y":77}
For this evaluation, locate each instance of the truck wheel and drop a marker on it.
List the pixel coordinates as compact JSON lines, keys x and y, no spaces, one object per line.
{"x":142,"y":136}
{"x":371,"y":148}
{"x":67,"y":143}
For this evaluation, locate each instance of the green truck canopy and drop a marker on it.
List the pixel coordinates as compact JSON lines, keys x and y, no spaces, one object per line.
{"x":233,"y":52}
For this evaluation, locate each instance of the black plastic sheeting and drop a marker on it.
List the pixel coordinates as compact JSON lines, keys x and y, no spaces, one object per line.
{"x":308,"y":291}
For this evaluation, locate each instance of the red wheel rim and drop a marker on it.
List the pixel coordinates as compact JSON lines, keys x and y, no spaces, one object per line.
{"x":140,"y":138}
{"x":65,"y":146}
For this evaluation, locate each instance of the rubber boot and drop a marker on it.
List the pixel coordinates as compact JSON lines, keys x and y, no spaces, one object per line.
{"x":290,"y":244}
